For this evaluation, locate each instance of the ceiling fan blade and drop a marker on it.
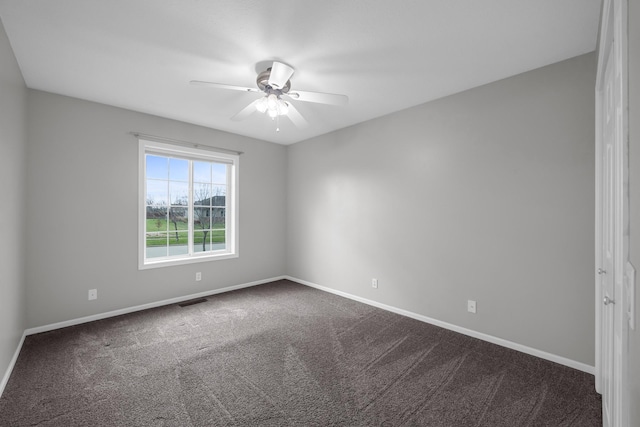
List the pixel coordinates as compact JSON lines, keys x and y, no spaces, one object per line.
{"x":280,"y":74}
{"x":296,"y":117}
{"x":222,"y":86}
{"x":318,"y":97}
{"x":246,"y":111}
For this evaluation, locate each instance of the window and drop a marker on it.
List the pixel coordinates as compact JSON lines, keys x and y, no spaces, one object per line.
{"x":188,"y":209}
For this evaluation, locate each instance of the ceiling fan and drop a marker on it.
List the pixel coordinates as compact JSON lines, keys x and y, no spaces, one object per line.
{"x":275,"y":84}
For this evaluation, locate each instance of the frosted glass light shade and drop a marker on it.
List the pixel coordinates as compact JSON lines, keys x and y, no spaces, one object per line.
{"x":261,"y":105}
{"x":272,"y":102}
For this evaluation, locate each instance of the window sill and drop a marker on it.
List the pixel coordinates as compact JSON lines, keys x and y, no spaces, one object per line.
{"x":191,"y":260}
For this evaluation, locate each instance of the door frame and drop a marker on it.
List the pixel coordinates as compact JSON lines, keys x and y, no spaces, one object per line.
{"x":613,"y":41}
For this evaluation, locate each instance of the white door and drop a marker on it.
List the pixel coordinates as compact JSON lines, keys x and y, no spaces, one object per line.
{"x":607,"y":267}
{"x":613,"y":294}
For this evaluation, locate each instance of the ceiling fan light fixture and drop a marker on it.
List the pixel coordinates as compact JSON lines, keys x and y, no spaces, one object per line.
{"x":261,"y":105}
{"x":272,"y":101}
{"x":272,"y":105}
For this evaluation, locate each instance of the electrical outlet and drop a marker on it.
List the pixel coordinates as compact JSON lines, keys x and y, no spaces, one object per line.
{"x":374,"y":283}
{"x":93,"y":294}
{"x":198,"y":276}
{"x":471,"y":306}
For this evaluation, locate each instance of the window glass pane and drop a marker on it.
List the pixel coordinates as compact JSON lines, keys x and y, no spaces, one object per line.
{"x":178,"y":193}
{"x":218,"y":201}
{"x":178,"y":169}
{"x":178,"y":243}
{"x":201,"y":218}
{"x":157,"y":167}
{"x":219,"y":195}
{"x":178,"y":219}
{"x":156,"y":244}
{"x":157,"y":192}
{"x":156,"y":219}
{"x":202,"y":172}
{"x":202,"y":194}
{"x":218,"y":239}
{"x":218,"y":217}
{"x":201,"y":241}
{"x":219,"y":190}
{"x":219,"y":173}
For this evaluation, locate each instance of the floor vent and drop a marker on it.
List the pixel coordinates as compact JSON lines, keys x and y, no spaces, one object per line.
{"x":191,"y":302}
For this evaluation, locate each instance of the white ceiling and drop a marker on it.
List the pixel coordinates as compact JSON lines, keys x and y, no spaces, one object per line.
{"x":385,"y":55}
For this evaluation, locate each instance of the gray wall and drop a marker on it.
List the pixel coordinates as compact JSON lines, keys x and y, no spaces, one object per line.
{"x":634,"y":186}
{"x":485,"y":195}
{"x":82,"y":207}
{"x":13,"y":113}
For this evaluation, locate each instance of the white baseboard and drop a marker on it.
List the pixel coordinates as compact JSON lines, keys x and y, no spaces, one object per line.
{"x":12,"y":364}
{"x":127,"y":310}
{"x":485,"y":337}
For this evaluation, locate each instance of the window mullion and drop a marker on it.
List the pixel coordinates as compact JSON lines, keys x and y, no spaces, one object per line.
{"x":144,"y":194}
{"x":167,"y":217}
{"x":227,"y":211}
{"x":190,"y":210}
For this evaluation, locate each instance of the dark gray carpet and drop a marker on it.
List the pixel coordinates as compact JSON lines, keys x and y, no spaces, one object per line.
{"x":283,"y":354}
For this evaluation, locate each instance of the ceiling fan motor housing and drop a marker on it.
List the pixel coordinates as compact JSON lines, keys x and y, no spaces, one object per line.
{"x":263,"y":83}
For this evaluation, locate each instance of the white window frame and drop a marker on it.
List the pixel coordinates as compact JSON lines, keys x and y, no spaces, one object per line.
{"x":191,"y":153}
